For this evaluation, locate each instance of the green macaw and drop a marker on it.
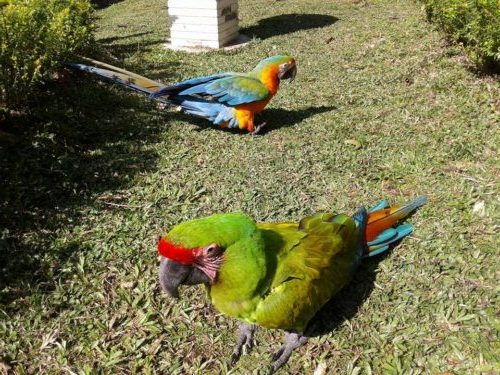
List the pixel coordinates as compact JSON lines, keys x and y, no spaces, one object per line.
{"x":276,"y":275}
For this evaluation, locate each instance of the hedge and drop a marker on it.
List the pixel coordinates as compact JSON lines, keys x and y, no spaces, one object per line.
{"x":475,"y":23}
{"x":36,"y":37}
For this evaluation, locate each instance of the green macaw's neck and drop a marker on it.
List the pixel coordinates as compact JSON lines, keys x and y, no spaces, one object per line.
{"x":249,"y":269}
{"x":242,"y":277}
{"x":243,"y":273}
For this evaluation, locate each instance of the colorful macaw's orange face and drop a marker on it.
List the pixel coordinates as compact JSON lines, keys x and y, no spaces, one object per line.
{"x":282,"y":66}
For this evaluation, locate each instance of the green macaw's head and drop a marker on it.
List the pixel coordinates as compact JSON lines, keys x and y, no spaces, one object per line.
{"x":193,"y":251}
{"x":287,"y":68}
{"x":181,"y":265}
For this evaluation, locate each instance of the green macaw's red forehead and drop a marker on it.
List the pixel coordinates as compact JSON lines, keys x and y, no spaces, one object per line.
{"x":175,"y":252}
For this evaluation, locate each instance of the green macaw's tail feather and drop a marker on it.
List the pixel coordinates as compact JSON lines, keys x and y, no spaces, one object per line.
{"x":388,"y":237}
{"x":121,"y":76}
{"x":382,"y":212}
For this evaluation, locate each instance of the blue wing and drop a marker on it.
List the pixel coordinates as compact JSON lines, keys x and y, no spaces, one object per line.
{"x":178,"y":87}
{"x":233,"y":90}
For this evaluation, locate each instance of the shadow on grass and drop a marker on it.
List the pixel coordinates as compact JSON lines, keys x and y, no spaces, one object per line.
{"x":123,"y":50}
{"x":287,"y":23}
{"x":82,"y":139}
{"x":346,"y":304}
{"x":115,"y":50}
{"x":113,"y":39}
{"x":101,"y":4}
{"x":275,"y":119}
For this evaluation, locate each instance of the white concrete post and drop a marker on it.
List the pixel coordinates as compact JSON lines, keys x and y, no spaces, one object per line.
{"x":202,"y":23}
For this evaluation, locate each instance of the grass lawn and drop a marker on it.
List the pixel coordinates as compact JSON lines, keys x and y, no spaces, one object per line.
{"x":381,"y":107}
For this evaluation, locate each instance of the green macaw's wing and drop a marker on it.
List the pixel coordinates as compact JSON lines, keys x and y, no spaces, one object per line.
{"x":241,"y":278}
{"x":318,"y":260}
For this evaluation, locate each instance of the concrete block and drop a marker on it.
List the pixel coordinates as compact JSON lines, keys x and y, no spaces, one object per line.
{"x":207,"y":23}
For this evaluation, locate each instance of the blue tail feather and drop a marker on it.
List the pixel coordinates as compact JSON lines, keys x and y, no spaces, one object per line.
{"x":385,"y":236}
{"x":388,"y":237}
{"x":378,"y":251}
{"x":391,"y":235}
{"x":379,"y":206}
{"x":360,"y":218}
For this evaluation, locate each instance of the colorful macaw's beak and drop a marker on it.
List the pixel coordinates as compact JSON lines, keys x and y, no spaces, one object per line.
{"x":173,"y":274}
{"x":288,"y":71}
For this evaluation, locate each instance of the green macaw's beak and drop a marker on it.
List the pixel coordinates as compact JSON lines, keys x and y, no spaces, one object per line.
{"x":288,"y":71}
{"x":174,"y":274}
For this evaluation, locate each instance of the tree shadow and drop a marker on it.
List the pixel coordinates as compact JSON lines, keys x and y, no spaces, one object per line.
{"x":287,"y":23}
{"x":120,"y":48}
{"x":114,"y":52}
{"x":81,"y":139}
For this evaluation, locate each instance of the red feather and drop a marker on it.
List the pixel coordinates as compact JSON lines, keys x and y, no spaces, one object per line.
{"x":175,"y":252}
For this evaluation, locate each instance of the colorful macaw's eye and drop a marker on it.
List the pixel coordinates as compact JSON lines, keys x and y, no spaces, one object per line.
{"x":287,"y":70}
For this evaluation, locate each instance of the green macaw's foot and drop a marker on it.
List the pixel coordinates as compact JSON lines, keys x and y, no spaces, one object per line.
{"x":258,"y":127}
{"x":293,"y":341}
{"x":244,"y":341}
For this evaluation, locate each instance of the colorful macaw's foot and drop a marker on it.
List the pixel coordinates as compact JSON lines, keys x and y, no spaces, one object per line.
{"x":244,"y":341}
{"x":258,"y":127}
{"x":293,"y":341}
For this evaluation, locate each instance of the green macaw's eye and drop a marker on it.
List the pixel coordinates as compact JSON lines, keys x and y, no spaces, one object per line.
{"x":212,"y":248}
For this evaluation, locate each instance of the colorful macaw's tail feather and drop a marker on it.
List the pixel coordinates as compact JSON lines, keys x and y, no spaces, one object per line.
{"x":380,"y":231}
{"x":121,"y":76}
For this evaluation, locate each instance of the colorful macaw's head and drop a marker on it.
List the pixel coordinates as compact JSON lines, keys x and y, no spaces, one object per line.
{"x":188,"y":266}
{"x":283,"y":66}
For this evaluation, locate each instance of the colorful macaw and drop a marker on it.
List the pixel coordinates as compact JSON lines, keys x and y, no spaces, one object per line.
{"x":230,"y":100}
{"x":276,"y":275}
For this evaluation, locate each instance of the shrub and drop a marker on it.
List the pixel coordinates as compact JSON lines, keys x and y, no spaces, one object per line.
{"x":37,"y":36}
{"x":475,"y":23}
